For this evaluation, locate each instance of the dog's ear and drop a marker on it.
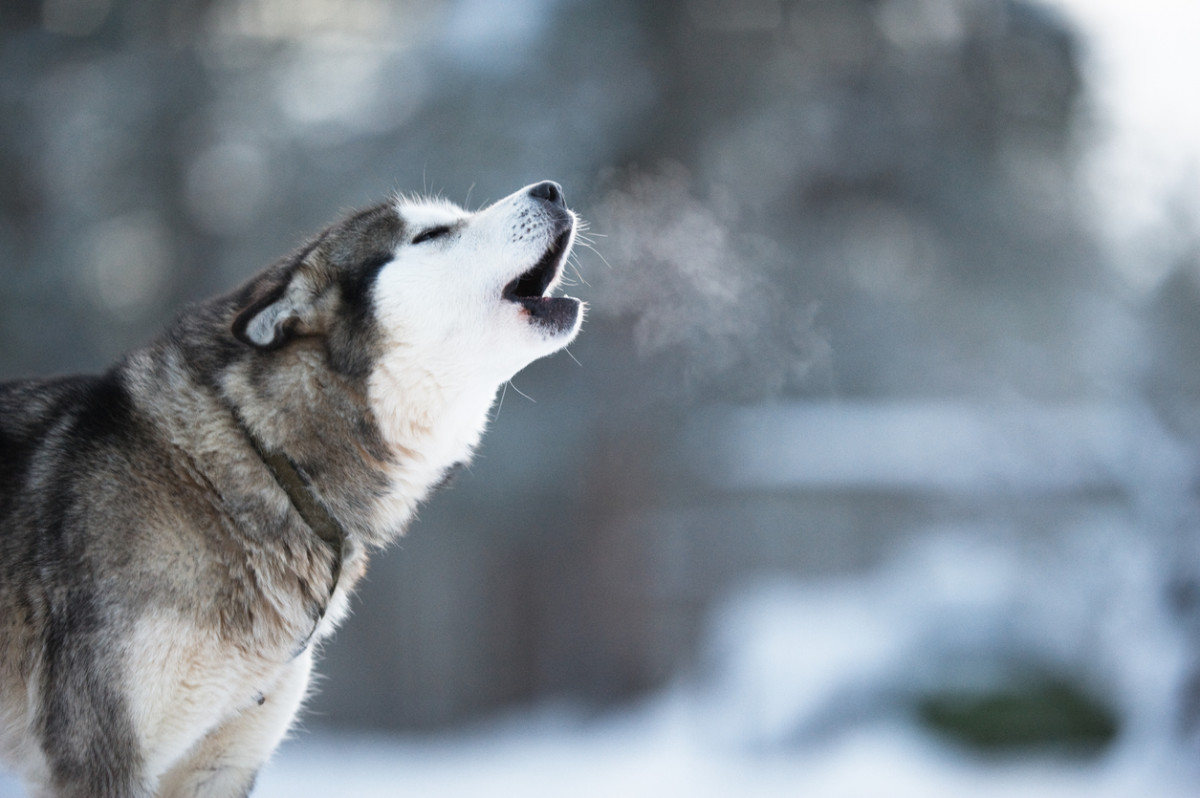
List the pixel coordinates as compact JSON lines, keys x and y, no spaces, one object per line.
{"x":281,"y":312}
{"x":268,"y":323}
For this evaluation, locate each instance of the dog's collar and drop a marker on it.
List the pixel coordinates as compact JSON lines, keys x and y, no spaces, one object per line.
{"x":296,"y":486}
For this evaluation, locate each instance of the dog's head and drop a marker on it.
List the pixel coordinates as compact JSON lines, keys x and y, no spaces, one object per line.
{"x":426,"y":288}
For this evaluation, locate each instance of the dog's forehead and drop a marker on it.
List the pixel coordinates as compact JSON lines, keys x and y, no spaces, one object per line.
{"x":419,"y":213}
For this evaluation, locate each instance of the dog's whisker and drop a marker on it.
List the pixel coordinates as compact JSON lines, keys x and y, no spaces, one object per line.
{"x":500,"y":402}
{"x":599,"y":254}
{"x":522,"y":393}
{"x":573,"y":262}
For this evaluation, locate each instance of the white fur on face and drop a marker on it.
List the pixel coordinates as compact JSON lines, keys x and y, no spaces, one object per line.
{"x":441,"y":302}
{"x":451,"y":339}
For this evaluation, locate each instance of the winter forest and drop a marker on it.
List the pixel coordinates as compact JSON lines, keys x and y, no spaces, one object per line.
{"x":874,"y":470}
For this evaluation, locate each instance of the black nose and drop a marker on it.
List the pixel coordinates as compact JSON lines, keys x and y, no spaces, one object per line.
{"x":550,"y":192}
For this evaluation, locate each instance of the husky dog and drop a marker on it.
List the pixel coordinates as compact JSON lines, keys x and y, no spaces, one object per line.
{"x":177,"y":533}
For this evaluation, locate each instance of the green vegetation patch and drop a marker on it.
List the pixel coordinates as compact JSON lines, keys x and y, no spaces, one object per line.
{"x":1050,"y":714}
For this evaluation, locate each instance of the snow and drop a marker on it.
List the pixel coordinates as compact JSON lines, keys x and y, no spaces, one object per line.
{"x":1144,"y":153}
{"x":648,"y":754}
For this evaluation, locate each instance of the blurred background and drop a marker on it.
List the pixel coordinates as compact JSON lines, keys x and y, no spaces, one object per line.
{"x":874,"y":470}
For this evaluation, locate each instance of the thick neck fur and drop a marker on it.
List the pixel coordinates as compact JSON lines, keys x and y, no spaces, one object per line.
{"x":366,"y":456}
{"x":371,"y":449}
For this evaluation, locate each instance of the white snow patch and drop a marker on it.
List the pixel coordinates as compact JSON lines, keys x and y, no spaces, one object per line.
{"x":803,"y":690}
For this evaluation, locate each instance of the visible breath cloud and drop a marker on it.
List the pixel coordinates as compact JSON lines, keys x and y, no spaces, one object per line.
{"x":698,"y":288}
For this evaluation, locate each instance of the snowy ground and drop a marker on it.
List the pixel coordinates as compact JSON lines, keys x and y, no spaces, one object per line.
{"x":657,"y":753}
{"x":805,"y":689}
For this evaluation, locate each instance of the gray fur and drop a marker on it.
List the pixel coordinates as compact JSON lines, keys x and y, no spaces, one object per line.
{"x":138,"y":499}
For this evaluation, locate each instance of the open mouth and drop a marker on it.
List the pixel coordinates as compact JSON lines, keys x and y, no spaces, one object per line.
{"x":529,"y":290}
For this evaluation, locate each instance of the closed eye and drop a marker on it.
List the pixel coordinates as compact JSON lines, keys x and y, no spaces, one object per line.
{"x":430,"y":233}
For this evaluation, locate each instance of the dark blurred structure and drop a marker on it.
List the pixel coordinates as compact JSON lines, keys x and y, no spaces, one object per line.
{"x":796,"y":201}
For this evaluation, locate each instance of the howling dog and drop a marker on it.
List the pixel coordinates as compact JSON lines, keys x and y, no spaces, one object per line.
{"x":177,"y":533}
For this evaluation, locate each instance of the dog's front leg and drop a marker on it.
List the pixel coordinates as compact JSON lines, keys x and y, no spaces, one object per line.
{"x":85,"y":728}
{"x":226,"y":762}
